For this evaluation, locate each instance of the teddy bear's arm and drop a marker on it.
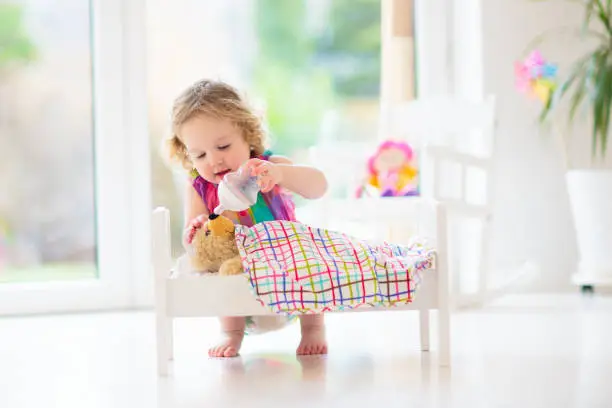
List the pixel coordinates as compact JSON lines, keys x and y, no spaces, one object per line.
{"x":232,"y":266}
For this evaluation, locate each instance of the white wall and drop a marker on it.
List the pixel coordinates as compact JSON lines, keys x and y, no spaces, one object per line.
{"x":532,"y":215}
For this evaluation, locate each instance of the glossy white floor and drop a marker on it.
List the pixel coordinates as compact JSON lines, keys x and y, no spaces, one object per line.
{"x":536,"y":351}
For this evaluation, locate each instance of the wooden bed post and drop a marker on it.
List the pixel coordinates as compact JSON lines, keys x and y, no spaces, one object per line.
{"x":443,"y":285}
{"x":424,"y":328}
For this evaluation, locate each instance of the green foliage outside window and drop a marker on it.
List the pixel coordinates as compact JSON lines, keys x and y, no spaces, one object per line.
{"x":302,"y":72}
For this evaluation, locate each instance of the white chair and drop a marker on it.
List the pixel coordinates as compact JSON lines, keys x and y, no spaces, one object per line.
{"x":454,"y":140}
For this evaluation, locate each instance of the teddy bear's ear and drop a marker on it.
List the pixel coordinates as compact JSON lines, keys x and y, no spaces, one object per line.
{"x":220,"y":225}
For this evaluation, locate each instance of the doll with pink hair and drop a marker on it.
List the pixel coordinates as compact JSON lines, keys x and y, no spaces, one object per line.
{"x":391,"y":171}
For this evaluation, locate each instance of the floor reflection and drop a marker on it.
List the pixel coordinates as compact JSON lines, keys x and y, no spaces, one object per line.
{"x":276,"y":366}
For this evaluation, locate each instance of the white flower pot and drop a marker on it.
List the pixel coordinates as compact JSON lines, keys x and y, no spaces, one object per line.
{"x":590,"y":195}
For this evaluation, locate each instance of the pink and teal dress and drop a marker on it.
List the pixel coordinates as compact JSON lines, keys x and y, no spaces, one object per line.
{"x":274,"y":205}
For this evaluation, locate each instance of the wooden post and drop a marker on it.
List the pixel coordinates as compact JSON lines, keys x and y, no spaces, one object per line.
{"x":398,"y":80}
{"x":397,"y":55}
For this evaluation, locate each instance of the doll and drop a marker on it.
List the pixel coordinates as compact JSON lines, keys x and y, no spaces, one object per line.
{"x":391,"y":171}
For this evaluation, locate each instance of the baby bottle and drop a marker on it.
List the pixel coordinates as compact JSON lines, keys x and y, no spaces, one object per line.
{"x":237,"y":191}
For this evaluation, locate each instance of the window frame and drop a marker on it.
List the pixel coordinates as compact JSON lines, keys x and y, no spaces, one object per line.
{"x":122,"y":182}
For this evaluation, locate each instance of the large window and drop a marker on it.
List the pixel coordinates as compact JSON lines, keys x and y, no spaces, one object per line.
{"x":47,"y":224}
{"x":311,"y":66}
{"x":67,"y":213}
{"x":76,"y":83}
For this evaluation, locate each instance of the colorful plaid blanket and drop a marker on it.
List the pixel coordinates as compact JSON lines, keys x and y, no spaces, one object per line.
{"x":295,"y":269}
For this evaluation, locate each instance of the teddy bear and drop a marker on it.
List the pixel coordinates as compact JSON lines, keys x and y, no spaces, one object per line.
{"x":214,"y":248}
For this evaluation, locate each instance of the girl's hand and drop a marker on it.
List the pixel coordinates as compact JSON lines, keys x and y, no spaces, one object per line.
{"x":193,"y":227}
{"x":268,"y":174}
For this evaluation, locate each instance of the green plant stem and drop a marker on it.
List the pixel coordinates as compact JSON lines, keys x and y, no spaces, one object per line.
{"x":604,"y":16}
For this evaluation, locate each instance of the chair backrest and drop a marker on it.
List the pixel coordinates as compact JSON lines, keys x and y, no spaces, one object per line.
{"x":455,"y":140}
{"x":465,"y":125}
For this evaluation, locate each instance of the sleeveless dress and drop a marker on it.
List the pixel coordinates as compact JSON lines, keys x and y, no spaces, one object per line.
{"x":274,"y":205}
{"x":277,"y":204}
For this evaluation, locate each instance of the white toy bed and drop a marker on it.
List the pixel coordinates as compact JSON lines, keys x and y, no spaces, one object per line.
{"x":181,"y":293}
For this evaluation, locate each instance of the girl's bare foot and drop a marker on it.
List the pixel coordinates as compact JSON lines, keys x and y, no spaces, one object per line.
{"x":233,"y":333}
{"x":229,"y":346}
{"x":313,"y":335}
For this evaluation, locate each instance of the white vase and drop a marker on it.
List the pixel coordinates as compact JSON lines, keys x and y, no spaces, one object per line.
{"x":590,"y":195}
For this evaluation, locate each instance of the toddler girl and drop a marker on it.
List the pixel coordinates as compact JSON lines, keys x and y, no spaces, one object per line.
{"x":214,"y":133}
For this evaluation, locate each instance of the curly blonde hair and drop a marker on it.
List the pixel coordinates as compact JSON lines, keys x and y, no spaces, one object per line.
{"x":219,"y":100}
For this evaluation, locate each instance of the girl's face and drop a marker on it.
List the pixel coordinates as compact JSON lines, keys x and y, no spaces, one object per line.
{"x":215,"y":146}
